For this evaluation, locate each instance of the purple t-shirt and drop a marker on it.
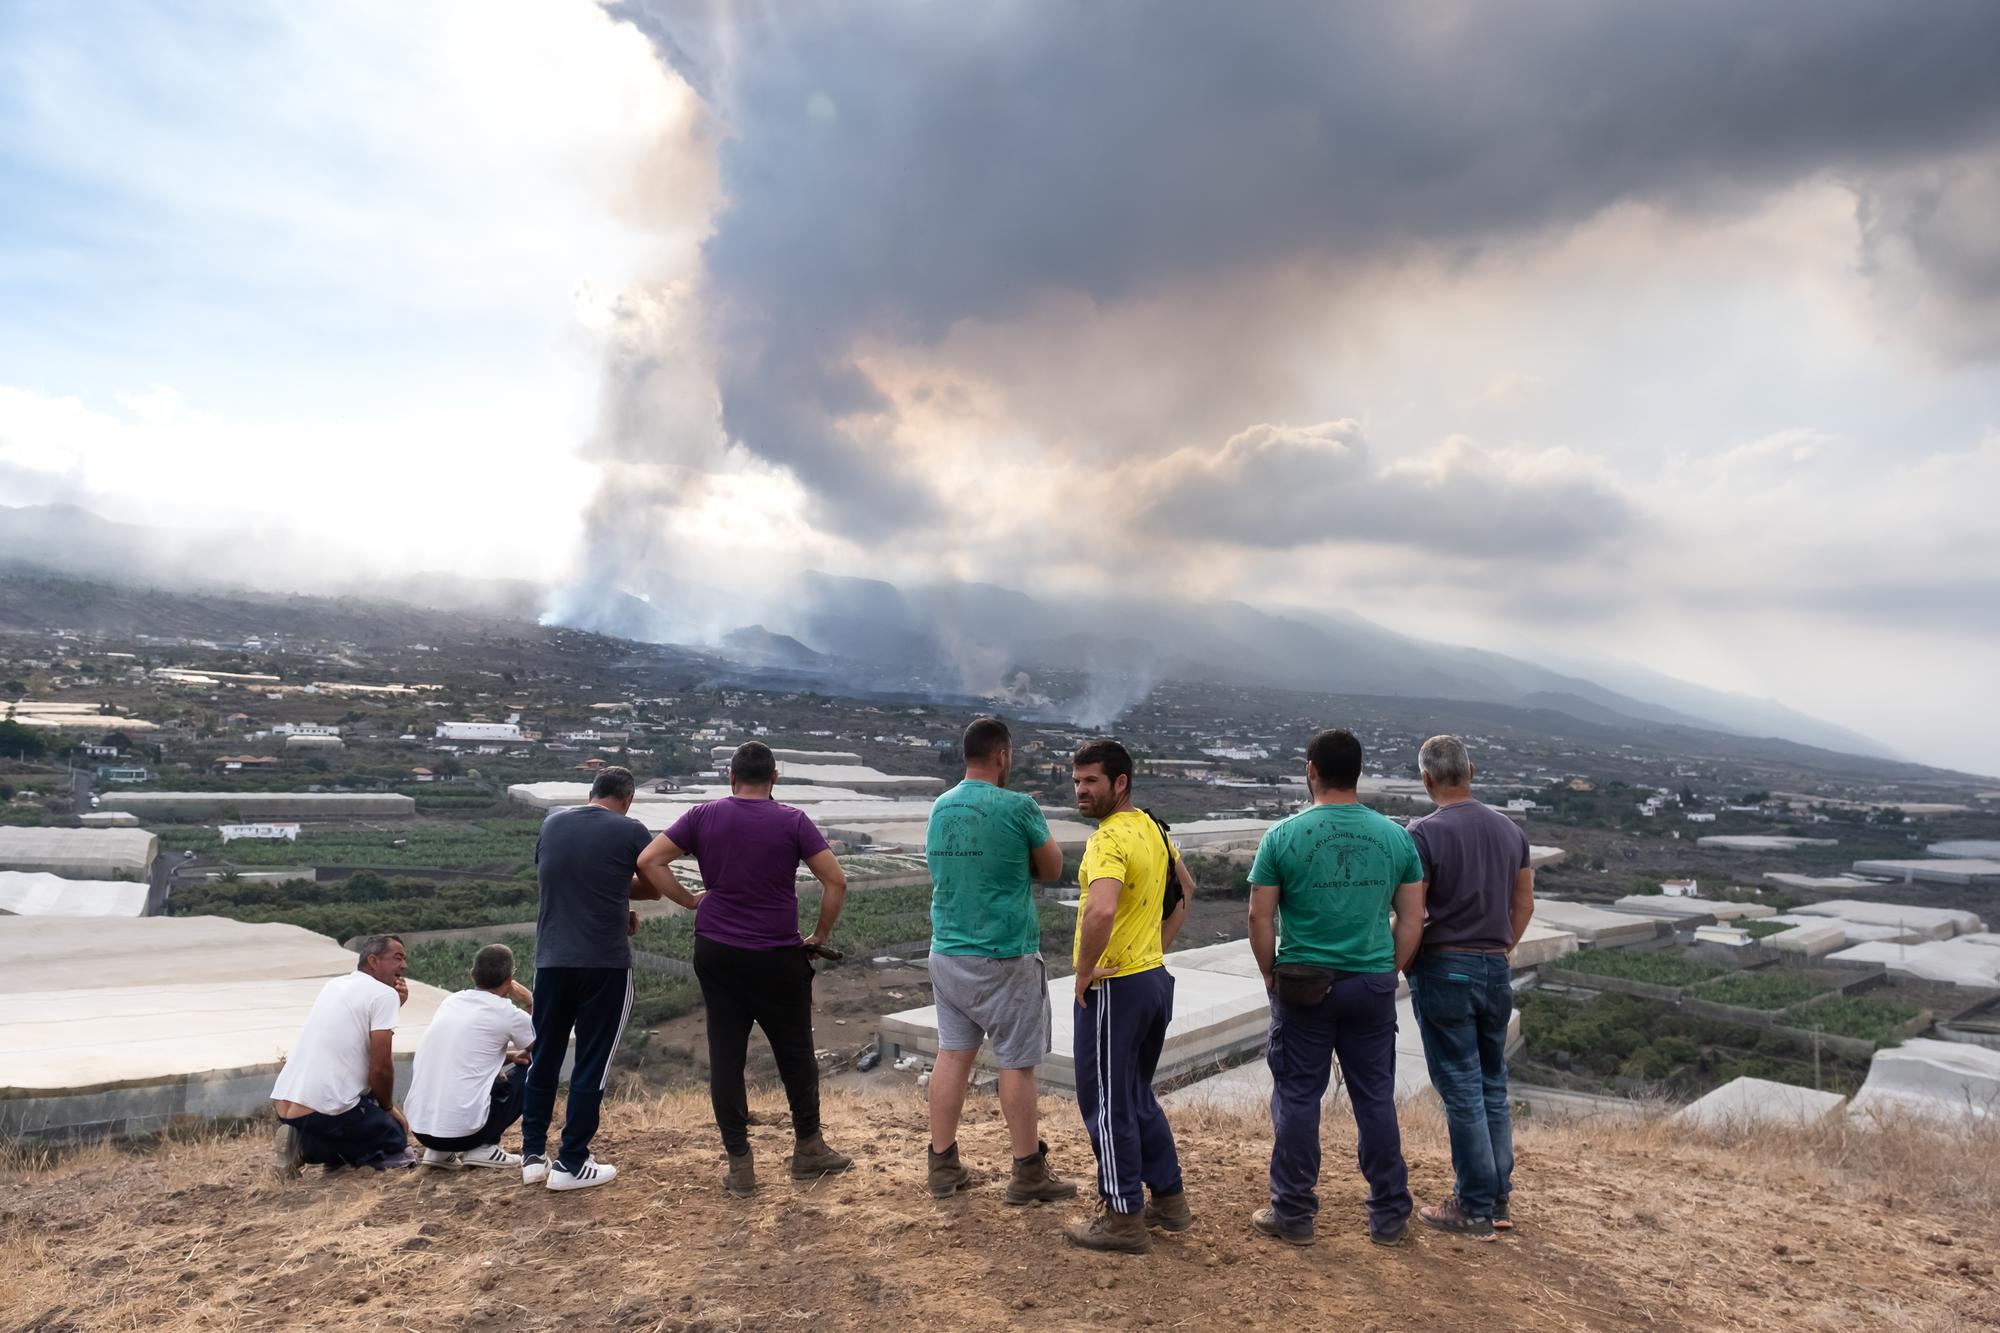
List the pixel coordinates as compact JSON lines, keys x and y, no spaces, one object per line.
{"x":1471,"y":853}
{"x":748,"y":851}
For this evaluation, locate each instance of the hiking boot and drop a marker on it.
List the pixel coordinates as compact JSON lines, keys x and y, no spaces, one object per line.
{"x":947,"y":1177}
{"x":1169,"y":1212}
{"x":1033,"y":1182}
{"x":1118,"y":1233}
{"x":811,"y":1158}
{"x":288,"y":1151}
{"x":740,"y":1181}
{"x":1391,"y":1237}
{"x":1501,"y":1220}
{"x":1266,"y":1222}
{"x":1451,"y":1216}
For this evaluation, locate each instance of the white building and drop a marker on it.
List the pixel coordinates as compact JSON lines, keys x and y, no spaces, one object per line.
{"x":479,"y":731}
{"x":1701,"y":817}
{"x":1681,"y":888}
{"x":231,"y":832}
{"x":303,"y":729}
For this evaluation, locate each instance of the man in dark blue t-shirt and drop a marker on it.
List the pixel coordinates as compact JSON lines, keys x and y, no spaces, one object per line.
{"x":586,"y":864}
{"x":1479,"y":892}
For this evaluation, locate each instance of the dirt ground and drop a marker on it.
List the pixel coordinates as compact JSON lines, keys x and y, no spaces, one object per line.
{"x":1618,"y":1227}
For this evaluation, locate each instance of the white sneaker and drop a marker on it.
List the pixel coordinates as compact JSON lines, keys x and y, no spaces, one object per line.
{"x":592,"y":1172}
{"x":441,"y":1161}
{"x":534,"y":1170}
{"x":493,"y":1155}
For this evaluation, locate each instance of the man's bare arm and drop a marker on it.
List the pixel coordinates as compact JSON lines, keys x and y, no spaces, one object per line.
{"x":1522,"y":906}
{"x":1170,"y":928}
{"x":1409,"y":908}
{"x":1098,"y":915}
{"x":1264,"y":929}
{"x":832,"y":879}
{"x":656,"y":868}
{"x":1045,"y":863}
{"x":382,"y":1069}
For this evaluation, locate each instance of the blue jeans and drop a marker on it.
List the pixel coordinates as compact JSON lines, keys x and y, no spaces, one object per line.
{"x":362,"y":1135}
{"x":1462,"y":1002}
{"x":1357,"y":1022}
{"x":510,"y":1093}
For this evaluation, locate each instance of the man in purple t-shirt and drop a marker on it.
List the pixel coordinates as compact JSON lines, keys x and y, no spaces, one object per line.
{"x":1479,"y":892}
{"x":748,"y":957}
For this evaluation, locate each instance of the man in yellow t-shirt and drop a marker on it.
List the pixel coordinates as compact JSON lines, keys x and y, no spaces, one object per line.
{"x":1124,"y":1001}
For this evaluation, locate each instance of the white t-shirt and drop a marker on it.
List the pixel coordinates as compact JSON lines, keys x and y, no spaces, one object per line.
{"x":328,"y":1067}
{"x":451,"y":1085}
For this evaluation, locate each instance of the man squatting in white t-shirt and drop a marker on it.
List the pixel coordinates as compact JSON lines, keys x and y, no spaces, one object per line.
{"x":335,"y":1096}
{"x":471,"y":1072}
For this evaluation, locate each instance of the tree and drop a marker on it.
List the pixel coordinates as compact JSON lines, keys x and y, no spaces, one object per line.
{"x":21,"y":742}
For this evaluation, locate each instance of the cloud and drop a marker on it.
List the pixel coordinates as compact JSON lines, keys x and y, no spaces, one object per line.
{"x":892,"y":172}
{"x":1286,"y":486}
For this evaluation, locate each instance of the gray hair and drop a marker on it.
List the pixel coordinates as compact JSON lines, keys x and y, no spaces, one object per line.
{"x":493,"y":967}
{"x":1445,"y":762}
{"x":374,"y":946}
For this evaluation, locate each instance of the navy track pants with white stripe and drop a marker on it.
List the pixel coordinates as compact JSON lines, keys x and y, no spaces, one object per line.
{"x":1120,"y":1029}
{"x":595,"y":1002}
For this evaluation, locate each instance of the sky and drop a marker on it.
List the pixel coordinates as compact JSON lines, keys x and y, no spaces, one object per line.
{"x":1667,"y":335}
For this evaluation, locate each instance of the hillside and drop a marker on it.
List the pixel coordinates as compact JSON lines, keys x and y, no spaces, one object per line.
{"x":1618,"y":1227}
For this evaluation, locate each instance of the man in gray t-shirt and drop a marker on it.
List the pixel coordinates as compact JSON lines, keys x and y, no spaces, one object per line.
{"x":1479,"y":892}
{"x":586,"y":865}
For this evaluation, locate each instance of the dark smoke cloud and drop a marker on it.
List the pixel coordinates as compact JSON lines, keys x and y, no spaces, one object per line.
{"x":893,"y":169}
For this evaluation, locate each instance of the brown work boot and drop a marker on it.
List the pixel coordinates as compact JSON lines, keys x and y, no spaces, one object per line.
{"x":1118,"y":1233}
{"x":811,"y":1158}
{"x":740,"y":1181}
{"x":1451,"y":1216}
{"x":1033,"y":1182}
{"x":947,"y":1177}
{"x":1169,"y":1212}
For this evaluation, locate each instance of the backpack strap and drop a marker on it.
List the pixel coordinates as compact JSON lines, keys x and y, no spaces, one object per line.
{"x":1172,"y":896}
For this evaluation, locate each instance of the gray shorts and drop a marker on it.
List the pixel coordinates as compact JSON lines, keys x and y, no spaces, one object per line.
{"x":1003,"y":1000}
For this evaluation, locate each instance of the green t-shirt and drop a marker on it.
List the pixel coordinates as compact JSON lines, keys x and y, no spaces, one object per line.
{"x":982,"y":897}
{"x":1336,"y":868}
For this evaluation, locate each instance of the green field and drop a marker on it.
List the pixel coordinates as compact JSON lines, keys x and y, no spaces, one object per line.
{"x":477,"y":844}
{"x":656,"y":996}
{"x":362,"y":904}
{"x":1762,"y":990}
{"x":1758,"y":930}
{"x":1618,"y":1043}
{"x":1864,"y":1016}
{"x":1654,"y":966}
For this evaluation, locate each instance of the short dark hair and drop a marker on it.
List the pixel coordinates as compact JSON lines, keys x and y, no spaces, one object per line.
{"x":1113,"y":758}
{"x":1335,"y":755}
{"x":986,"y":737}
{"x":493,"y":967}
{"x":614,"y":783}
{"x":373,"y":946}
{"x":753,"y":764}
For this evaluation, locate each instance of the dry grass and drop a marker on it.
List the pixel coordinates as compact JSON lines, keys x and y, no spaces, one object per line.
{"x":1623,"y":1224}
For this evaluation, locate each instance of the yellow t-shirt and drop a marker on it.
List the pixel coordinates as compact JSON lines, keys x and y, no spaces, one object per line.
{"x":1127,"y":847}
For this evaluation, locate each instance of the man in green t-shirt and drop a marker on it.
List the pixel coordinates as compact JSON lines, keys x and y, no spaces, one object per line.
{"x":985,"y":846}
{"x":1332,"y":872}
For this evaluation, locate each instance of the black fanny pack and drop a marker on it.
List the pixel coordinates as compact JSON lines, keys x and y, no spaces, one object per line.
{"x":1302,"y":986}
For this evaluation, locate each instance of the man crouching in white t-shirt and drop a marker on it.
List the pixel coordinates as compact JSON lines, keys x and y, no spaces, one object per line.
{"x":335,"y":1096}
{"x":471,"y":1073}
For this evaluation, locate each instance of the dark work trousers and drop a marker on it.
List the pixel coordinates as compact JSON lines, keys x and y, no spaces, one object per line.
{"x":362,"y":1135}
{"x":771,"y":988}
{"x":1120,"y":1029}
{"x":510,"y":1092}
{"x":594,"y":1002}
{"x":1357,"y":1022}
{"x":1463,"y":1002}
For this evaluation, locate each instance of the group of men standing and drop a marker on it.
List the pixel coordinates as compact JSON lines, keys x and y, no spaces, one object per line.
{"x":1343,"y":902}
